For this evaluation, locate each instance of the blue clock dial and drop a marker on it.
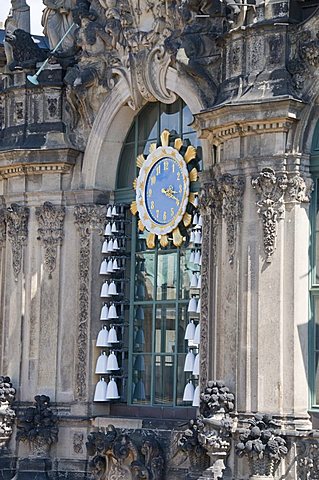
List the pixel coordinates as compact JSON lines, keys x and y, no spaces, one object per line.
{"x":164,"y":191}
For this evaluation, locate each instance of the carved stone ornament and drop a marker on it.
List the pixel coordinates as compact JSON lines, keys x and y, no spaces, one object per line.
{"x":274,"y":189}
{"x":308,"y":459}
{"x":38,"y":426}
{"x":78,"y":442}
{"x":126,"y":455}
{"x":17,"y":218}
{"x":50,"y":232}
{"x":2,"y":228}
{"x":87,"y":219}
{"x":7,"y":414}
{"x":209,"y":435}
{"x":263,"y":443}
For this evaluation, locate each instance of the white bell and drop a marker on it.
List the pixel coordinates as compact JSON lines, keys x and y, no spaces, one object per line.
{"x":114,"y":211}
{"x":101,"y":364}
{"x":112,"y":363}
{"x":200,"y":221}
{"x":102,"y":338}
{"x":199,"y":285}
{"x":193,"y":281}
{"x":107,"y":230}
{"x":100,"y":391}
{"x":104,"y":312}
{"x":139,"y":314}
{"x":112,"y":392}
{"x":113,"y":336}
{"x":114,"y":228}
{"x":192,"y":257}
{"x":140,"y":337}
{"x":112,"y":312}
{"x":197,"y":257}
{"x":112,"y":289}
{"x":196,"y":399}
{"x":110,"y":266}
{"x":189,"y":362}
{"x":200,"y":260}
{"x":116,"y":245}
{"x":196,"y":202}
{"x":105,"y":247}
{"x":104,"y":290}
{"x":109,"y":212}
{"x":103,"y":267}
{"x":198,"y":306}
{"x":188,"y":392}
{"x":139,"y":363}
{"x":192,"y":305}
{"x":192,"y":237}
{"x":110,"y":247}
{"x":115,"y":265}
{"x":139,"y":391}
{"x":196,"y":365}
{"x":189,"y":332}
{"x":196,"y":339}
{"x":195,"y":219}
{"x":198,"y":237}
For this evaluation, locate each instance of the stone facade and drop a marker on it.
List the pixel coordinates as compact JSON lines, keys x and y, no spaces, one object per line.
{"x":249,"y":74}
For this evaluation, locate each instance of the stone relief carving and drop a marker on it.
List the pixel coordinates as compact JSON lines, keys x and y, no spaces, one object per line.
{"x":263,"y":443}
{"x":210,"y":433}
{"x":22,"y":52}
{"x":78,"y":441}
{"x":38,"y":426}
{"x":7,"y":414}
{"x":50,"y":232}
{"x":126,"y":455}
{"x":17,"y":218}
{"x":87,"y":218}
{"x":273,"y":191}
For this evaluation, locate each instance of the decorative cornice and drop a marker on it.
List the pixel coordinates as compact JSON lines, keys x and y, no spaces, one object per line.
{"x":17,"y":218}
{"x":273,"y":190}
{"x":87,"y":218}
{"x":20,"y":169}
{"x":50,"y":232}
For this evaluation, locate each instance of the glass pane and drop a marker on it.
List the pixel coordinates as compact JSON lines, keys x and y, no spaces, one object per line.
{"x":170,"y":117}
{"x":144,"y":276}
{"x":147,"y":123}
{"x":141,"y":376}
{"x":317,"y":258}
{"x":143,"y":316}
{"x":126,"y":171}
{"x":165,"y":334}
{"x":167,"y":276}
{"x":164,"y":379}
{"x":186,"y":269}
{"x":187,"y":119}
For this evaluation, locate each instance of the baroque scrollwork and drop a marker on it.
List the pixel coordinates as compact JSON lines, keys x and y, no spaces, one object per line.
{"x":87,"y":218}
{"x":274,"y":189}
{"x":7,"y":414}
{"x":133,"y":455}
{"x":17,"y":218}
{"x":50,"y":232}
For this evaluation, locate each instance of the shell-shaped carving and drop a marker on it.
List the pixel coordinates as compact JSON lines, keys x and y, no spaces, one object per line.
{"x":150,"y":241}
{"x":140,"y":159}
{"x":177,"y":237}
{"x":190,"y":153}
{"x":134,"y":207}
{"x":187,"y":219}
{"x":165,"y":138}
{"x":164,"y":240}
{"x":193,"y":175}
{"x":178,"y":144}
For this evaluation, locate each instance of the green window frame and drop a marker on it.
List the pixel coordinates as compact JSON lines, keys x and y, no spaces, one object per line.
{"x":159,"y":278}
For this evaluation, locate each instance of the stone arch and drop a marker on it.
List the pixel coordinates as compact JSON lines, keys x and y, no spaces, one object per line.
{"x":112,"y":124}
{"x":305,"y":129}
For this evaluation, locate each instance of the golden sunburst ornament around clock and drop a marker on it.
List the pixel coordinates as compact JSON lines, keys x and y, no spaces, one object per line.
{"x":166,"y":190}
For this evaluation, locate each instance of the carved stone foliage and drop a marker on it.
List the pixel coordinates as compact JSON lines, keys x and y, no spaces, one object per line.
{"x":87,"y":218}
{"x":17,"y":218}
{"x":263,"y":443}
{"x":50,"y":232}
{"x":308,"y":459}
{"x":38,"y":426}
{"x":209,"y":435}
{"x":273,"y":191}
{"x":7,"y":414}
{"x":124,"y":455}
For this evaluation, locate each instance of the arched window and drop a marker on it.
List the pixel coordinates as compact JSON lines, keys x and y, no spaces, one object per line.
{"x":160,"y":279}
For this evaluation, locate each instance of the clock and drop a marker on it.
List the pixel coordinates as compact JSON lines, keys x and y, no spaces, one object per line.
{"x":166,"y":190}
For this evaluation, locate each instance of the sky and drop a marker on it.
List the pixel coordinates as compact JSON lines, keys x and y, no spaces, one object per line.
{"x":36,"y":7}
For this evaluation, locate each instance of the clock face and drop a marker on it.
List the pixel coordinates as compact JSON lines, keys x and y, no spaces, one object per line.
{"x":162,"y":190}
